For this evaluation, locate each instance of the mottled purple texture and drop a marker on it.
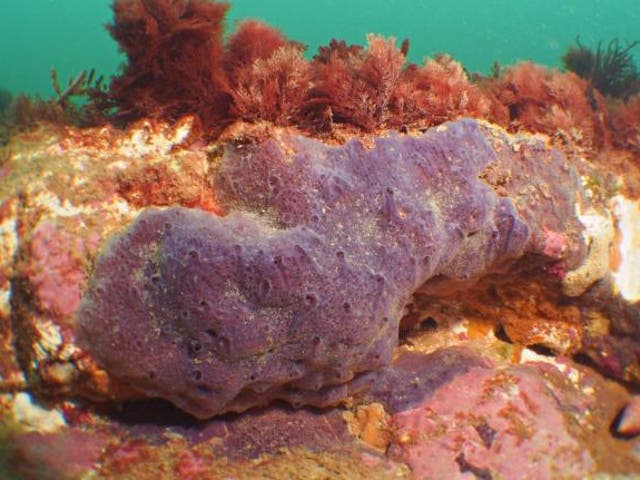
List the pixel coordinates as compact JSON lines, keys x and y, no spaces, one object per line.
{"x":413,"y":376}
{"x":268,"y":431}
{"x":297,"y":294}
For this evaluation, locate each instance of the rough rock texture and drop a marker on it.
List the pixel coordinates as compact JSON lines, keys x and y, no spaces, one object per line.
{"x":481,"y":417}
{"x":481,"y":421}
{"x":62,"y":194}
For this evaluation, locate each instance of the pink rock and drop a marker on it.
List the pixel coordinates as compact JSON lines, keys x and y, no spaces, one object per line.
{"x":191,"y":467}
{"x":56,"y":269}
{"x":490,"y":423}
{"x":70,"y":454}
{"x":555,"y":243}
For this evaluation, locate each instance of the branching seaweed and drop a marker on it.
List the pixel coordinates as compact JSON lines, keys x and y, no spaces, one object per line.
{"x":625,"y":126}
{"x":82,"y":102}
{"x":174,"y":50}
{"x":5,"y":100}
{"x":610,"y":70}
{"x":435,"y":92}
{"x":356,"y":85}
{"x":267,"y":75}
{"x":559,"y":104}
{"x":179,"y":62}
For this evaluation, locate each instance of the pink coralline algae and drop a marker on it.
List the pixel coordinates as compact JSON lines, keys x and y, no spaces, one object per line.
{"x":555,"y":243}
{"x":297,"y":294}
{"x":490,"y":424}
{"x":57,"y":272}
{"x":52,"y":456}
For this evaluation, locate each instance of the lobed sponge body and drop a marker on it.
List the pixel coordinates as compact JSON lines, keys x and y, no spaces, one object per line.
{"x":297,"y":294}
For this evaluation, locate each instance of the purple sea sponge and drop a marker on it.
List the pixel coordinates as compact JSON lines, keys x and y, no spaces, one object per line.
{"x":298,"y":293}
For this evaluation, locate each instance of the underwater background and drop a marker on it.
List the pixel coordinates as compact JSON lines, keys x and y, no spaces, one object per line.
{"x":69,"y":35}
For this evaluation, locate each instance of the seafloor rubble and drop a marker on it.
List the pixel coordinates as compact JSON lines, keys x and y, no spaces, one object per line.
{"x":327,"y":290}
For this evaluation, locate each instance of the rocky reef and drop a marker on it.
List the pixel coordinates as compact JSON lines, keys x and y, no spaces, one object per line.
{"x":324,"y":290}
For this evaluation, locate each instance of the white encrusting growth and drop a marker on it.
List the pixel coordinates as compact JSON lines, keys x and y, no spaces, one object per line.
{"x":32,"y":417}
{"x":598,"y":236}
{"x":627,"y":275}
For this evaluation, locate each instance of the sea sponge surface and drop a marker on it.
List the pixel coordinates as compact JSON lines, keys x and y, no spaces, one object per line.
{"x":297,"y":293}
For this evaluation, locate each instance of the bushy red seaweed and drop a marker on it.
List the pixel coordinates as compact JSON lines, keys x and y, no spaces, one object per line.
{"x":252,"y":40}
{"x":179,"y":64}
{"x":561,"y":105}
{"x":374,"y":87}
{"x":355,"y":85}
{"x":625,"y":125}
{"x":268,"y":78}
{"x":436,"y":92}
{"x":174,"y":50}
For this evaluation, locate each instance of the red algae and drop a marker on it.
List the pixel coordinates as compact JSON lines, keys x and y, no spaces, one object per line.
{"x":548,"y":101}
{"x":174,"y":51}
{"x":436,"y":92}
{"x":179,"y":63}
{"x":625,"y":124}
{"x":50,"y":456}
{"x":260,"y":75}
{"x":159,"y":185}
{"x":490,"y":423}
{"x":268,"y":78}
{"x":357,"y":85}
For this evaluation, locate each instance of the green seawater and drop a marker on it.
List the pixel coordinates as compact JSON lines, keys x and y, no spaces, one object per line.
{"x":69,"y":35}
